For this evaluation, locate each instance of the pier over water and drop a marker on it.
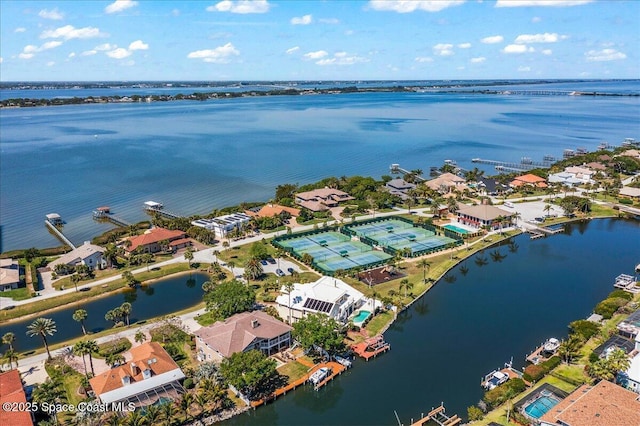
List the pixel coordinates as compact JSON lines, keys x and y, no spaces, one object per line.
{"x":53,"y":222}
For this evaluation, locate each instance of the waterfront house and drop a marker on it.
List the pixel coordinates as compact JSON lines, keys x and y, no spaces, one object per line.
{"x":529,"y":180}
{"x":603,"y":404}
{"x":241,"y":333}
{"x":149,"y":242}
{"x":488,"y":186}
{"x":223,"y":225}
{"x":400,"y":187}
{"x":631,"y":378}
{"x":12,"y":393}
{"x":322,"y":199}
{"x":485,"y":215}
{"x":150,"y":376}
{"x":630,"y":327}
{"x":328,"y":295}
{"x":270,"y":210}
{"x":630,"y":193}
{"x":565,"y":178}
{"x":446,"y":183}
{"x":9,"y":274}
{"x":633,"y":153}
{"x":87,"y":254}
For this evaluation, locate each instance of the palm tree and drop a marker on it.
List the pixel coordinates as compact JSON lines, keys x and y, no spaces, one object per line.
{"x":225,"y":245}
{"x":570,"y":348}
{"x":42,"y":327}
{"x":10,"y":355}
{"x":403,"y":284}
{"x":126,"y":309}
{"x":168,"y":410}
{"x":114,"y":359}
{"x":75,"y":278}
{"x":188,"y":255}
{"x":253,"y":268}
{"x":80,"y":349}
{"x":184,"y":403}
{"x":50,"y":392}
{"x":134,"y":418}
{"x":140,"y":337}
{"x":215,"y":255}
{"x":231,"y":265}
{"x":151,"y":414}
{"x":288,"y":287}
{"x":91,"y":347}
{"x":8,"y":338}
{"x":425,"y":265}
{"x":80,"y":315}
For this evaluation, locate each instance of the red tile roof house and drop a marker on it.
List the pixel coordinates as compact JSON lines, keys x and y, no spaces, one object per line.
{"x":270,"y":210}
{"x":149,"y":242}
{"x":149,"y":376}
{"x":322,"y":199}
{"x":604,"y":404}
{"x":484,"y":215}
{"x":241,"y":333}
{"x":12,"y":392}
{"x":530,"y":180}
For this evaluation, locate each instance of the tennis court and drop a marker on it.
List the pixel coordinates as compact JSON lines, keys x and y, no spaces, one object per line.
{"x":401,"y":235}
{"x":332,"y":250}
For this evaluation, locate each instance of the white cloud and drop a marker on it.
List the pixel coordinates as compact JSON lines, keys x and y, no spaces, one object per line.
{"x":120,"y":5}
{"x":1,"y":59}
{"x":29,"y":50}
{"x":423,"y":59}
{"x":219,"y":55}
{"x":604,"y":55}
{"x":303,"y":20}
{"x":331,"y":21}
{"x":443,"y":49}
{"x":50,"y":63}
{"x":492,"y":39}
{"x":515,"y":48}
{"x":89,"y":52}
{"x":408,"y":6}
{"x":20,"y":30}
{"x":50,"y":45}
{"x":138,"y":45}
{"x":464,"y":45}
{"x":118,"y":53}
{"x":316,"y":55}
{"x":538,"y":38}
{"x":524,"y":69}
{"x":105,"y":46}
{"x":25,"y":55}
{"x":478,"y":60}
{"x":72,"y":55}
{"x":292,"y":50}
{"x":175,"y":12}
{"x":54,"y":14}
{"x":342,"y":58}
{"x":241,"y":6}
{"x":536,"y":19}
{"x":552,"y":3}
{"x":547,"y":52}
{"x":69,"y":32}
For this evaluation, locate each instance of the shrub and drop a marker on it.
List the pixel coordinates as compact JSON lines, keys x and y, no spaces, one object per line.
{"x":474,"y":413}
{"x":552,"y":363}
{"x":593,"y":357}
{"x":608,"y":307}
{"x":114,"y":347}
{"x":620,"y":293}
{"x":188,"y":383}
{"x":625,"y":201}
{"x":585,"y":329}
{"x":533,"y":373}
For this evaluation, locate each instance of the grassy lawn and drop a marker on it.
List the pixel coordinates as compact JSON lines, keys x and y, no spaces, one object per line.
{"x":378,"y":322}
{"x":40,"y":306}
{"x":17,"y":294}
{"x":293,"y":370}
{"x":574,"y":373}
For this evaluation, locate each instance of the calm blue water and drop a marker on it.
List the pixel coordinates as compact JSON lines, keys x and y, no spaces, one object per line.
{"x":163,"y":297}
{"x":467,"y":326}
{"x":197,"y":156}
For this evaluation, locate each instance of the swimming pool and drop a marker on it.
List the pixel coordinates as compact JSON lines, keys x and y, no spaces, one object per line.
{"x":455,"y":229}
{"x":361,"y":317}
{"x":540,"y":406}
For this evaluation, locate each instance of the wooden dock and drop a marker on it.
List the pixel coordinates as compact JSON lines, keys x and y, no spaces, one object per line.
{"x":153,"y":207}
{"x":371,"y":347}
{"x":439,"y":416}
{"x":104,"y":213}
{"x":58,"y":233}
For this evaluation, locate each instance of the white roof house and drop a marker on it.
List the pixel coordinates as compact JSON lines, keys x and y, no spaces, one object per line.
{"x":221,"y":225}
{"x":564,"y":178}
{"x":87,"y":254}
{"x":328,"y":295}
{"x":633,"y":373}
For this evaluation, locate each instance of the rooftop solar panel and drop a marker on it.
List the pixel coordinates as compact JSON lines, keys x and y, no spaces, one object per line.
{"x":318,"y":305}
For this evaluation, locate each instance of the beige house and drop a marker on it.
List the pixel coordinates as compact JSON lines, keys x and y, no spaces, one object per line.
{"x":87,"y":254}
{"x":484,"y":215}
{"x":630,"y":192}
{"x":322,"y":199}
{"x":241,"y":333}
{"x":9,"y":274}
{"x":447,"y":182}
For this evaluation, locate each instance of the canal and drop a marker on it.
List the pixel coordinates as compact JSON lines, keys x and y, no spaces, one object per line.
{"x":501,"y":304}
{"x":162,"y":297}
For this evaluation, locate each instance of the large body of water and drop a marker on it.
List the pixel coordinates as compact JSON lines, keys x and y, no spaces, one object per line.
{"x":467,"y":326}
{"x":164,"y":297}
{"x":197,"y":156}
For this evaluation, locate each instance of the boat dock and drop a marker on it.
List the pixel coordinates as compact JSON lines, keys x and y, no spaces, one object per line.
{"x":525,"y":164}
{"x":540,"y":354}
{"x":395,"y":168}
{"x":158,"y":208}
{"x":627,"y":283}
{"x":54,"y":220}
{"x":439,"y":416}
{"x":371,"y":347}
{"x":104,"y":213}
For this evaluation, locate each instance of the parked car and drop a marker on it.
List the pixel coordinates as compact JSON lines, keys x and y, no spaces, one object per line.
{"x":271,"y":260}
{"x":264,"y":262}
{"x":279,"y":273}
{"x":290,"y":270}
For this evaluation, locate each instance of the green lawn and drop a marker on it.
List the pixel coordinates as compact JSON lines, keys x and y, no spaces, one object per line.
{"x":293,"y":370}
{"x":378,"y":322}
{"x":17,"y":294}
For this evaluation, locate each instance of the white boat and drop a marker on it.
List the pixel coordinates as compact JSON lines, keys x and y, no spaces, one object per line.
{"x":494,"y":379}
{"x":551,"y":345}
{"x":319,"y":375}
{"x":343,"y":361}
{"x":638,"y":268}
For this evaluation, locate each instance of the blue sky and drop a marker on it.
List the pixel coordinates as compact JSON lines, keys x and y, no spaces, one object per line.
{"x":318,"y":40}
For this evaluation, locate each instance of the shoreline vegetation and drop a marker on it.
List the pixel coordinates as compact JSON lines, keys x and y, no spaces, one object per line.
{"x":284,"y":88}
